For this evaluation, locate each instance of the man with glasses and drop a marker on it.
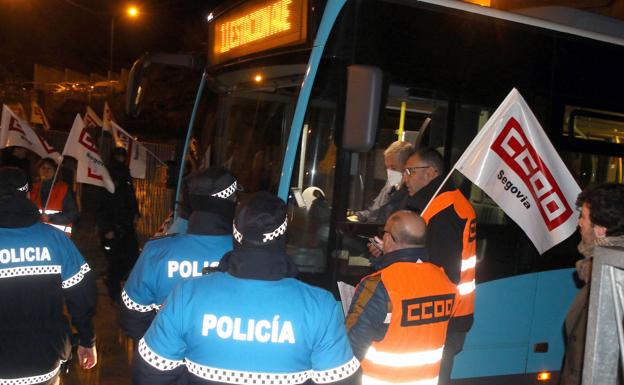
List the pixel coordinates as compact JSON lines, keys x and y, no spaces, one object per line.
{"x":398,"y":320}
{"x":451,"y":240}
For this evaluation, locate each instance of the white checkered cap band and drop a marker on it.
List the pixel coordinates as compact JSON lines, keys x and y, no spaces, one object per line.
{"x":24,"y":188}
{"x":30,"y":380}
{"x":237,"y":234}
{"x":155,"y":360}
{"x":223,"y":194}
{"x":29,"y":270}
{"x":76,"y":278}
{"x":336,"y":374}
{"x":275,"y":233}
{"x":241,"y":378}
{"x":130,"y":304}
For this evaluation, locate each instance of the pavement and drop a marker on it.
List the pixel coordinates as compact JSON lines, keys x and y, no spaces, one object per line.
{"x":114,"y":349}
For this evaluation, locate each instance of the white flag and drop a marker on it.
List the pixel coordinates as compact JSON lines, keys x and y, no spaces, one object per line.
{"x":81,"y":146}
{"x":91,"y":119}
{"x":137,"y":153}
{"x":108,"y":118}
{"x":15,"y":131}
{"x":513,"y":161}
{"x":37,"y":115}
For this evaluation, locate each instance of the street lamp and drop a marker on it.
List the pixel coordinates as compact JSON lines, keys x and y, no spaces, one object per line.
{"x":132,"y":12}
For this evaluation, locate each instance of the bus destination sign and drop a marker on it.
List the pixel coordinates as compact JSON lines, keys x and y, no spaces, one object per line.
{"x":257,"y":26}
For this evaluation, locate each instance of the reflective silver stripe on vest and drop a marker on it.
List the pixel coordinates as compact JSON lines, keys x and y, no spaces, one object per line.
{"x":48,"y":212}
{"x":74,"y":279}
{"x":241,"y":377}
{"x":469,"y":263}
{"x":406,"y":359}
{"x":336,"y":374}
{"x":65,"y":228}
{"x":466,"y":288}
{"x":30,"y":380}
{"x":263,"y":378}
{"x":155,"y":360}
{"x":29,"y":270}
{"x":130,"y":304}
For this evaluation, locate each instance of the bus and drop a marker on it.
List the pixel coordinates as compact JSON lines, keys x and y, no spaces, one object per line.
{"x":301,"y":97}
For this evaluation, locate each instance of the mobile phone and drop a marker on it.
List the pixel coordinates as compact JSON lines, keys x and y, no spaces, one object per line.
{"x":374,"y":242}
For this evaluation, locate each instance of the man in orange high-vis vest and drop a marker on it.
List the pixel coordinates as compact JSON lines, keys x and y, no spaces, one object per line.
{"x":61,"y":210}
{"x":451,"y":241}
{"x":397,"y":322}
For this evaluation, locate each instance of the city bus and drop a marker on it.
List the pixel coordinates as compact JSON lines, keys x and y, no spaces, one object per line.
{"x":301,"y":97}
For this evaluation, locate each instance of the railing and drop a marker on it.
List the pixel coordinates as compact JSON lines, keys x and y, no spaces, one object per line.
{"x":605,"y":332}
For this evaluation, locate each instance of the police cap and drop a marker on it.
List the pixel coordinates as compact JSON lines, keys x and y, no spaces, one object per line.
{"x":13,"y":181}
{"x":261,"y":221}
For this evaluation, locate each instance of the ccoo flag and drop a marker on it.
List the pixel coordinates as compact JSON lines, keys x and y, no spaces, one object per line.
{"x":90,"y":169}
{"x":37,"y":115}
{"x":512,"y":160}
{"x":91,"y":119}
{"x":108,"y":118}
{"x":15,"y":131}
{"x":137,"y":153}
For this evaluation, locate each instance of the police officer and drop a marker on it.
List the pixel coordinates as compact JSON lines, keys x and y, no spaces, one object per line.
{"x":252,"y":322}
{"x":40,"y":270}
{"x":398,"y":319}
{"x":167,"y":260}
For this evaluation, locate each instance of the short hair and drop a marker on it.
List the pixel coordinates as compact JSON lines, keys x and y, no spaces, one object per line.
{"x":401,"y":150}
{"x":606,"y":206}
{"x":432,"y":158}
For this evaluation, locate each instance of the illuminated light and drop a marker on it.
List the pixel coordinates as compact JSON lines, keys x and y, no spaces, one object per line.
{"x":210,"y":17}
{"x":258,"y":78}
{"x":133,"y":11}
{"x":543,"y":376}
{"x":484,"y":3}
{"x":257,"y":26}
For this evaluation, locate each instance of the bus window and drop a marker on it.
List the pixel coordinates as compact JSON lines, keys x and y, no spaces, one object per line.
{"x":250,"y":137}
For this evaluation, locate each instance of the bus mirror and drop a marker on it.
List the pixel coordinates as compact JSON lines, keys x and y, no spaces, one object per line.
{"x":135,"y":89}
{"x":135,"y":92}
{"x":364,"y":85}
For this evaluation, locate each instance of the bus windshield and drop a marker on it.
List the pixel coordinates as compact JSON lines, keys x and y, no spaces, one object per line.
{"x":251,"y":127}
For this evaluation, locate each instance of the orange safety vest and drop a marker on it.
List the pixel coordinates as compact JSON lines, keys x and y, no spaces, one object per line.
{"x":55,"y":203}
{"x":423,"y":300}
{"x":464,"y":210}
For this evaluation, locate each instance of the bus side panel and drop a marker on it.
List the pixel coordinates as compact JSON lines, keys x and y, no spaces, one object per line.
{"x":497,"y":343}
{"x":555,"y":292}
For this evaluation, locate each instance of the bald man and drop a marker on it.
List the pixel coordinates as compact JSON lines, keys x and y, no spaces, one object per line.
{"x":398,"y":320}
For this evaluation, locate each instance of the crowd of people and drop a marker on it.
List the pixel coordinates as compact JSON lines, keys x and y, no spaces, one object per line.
{"x":221,"y":303}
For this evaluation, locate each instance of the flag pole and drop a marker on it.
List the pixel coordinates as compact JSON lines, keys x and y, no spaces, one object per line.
{"x":58,"y":167}
{"x":151,"y":153}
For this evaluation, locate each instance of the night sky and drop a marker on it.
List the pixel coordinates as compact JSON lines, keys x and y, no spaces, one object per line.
{"x":59,"y":34}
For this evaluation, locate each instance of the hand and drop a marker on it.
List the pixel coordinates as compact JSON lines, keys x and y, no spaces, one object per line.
{"x":376,"y":249}
{"x":87,"y":357}
{"x":45,"y":218}
{"x":109,"y":235}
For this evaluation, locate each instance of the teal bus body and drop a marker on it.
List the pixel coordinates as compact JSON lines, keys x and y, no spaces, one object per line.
{"x":521,"y":298}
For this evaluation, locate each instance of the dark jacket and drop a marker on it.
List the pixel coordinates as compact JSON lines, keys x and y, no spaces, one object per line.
{"x":35,"y":333}
{"x":117,"y":211}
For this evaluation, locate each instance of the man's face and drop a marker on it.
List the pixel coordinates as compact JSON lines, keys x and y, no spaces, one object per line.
{"x":586,"y":227}
{"x":392,"y":163}
{"x":417,"y":174}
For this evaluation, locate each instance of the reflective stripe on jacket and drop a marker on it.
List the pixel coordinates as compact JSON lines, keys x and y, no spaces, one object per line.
{"x":423,"y":301}
{"x":55,"y":203}
{"x":463,"y":209}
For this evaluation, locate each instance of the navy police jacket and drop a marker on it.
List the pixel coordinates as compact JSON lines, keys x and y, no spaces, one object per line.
{"x":40,"y":270}
{"x":163,"y":263}
{"x":226,"y":330}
